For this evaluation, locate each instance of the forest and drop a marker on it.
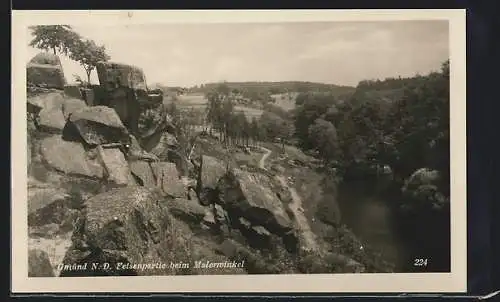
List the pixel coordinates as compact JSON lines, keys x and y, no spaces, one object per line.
{"x":376,"y":138}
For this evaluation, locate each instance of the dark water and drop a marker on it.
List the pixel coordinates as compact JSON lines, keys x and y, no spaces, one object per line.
{"x":400,"y":240}
{"x":373,"y":222}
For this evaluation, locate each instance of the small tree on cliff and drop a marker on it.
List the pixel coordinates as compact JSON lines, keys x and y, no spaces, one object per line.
{"x":88,"y":54}
{"x":53,"y":37}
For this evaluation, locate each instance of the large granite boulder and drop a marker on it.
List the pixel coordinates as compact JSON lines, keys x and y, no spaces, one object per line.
{"x":45,"y":70}
{"x":48,"y":204}
{"x":248,"y":195}
{"x":142,"y":171}
{"x":187,"y":210}
{"x":211,"y":170}
{"x":122,"y":225}
{"x":51,"y":110}
{"x":420,"y":177}
{"x":135,"y":211}
{"x":112,"y":74}
{"x":69,"y":157}
{"x":73,"y":91}
{"x":421,"y":190}
{"x":160,"y":143}
{"x":168,"y":180}
{"x":180,"y":161}
{"x":136,"y":152}
{"x":96,"y":125}
{"x":71,"y":105}
{"x":257,"y":236}
{"x":94,"y":96}
{"x":51,"y":120}
{"x":39,"y":264}
{"x":115,"y":165}
{"x":127,"y":90}
{"x":49,"y":101}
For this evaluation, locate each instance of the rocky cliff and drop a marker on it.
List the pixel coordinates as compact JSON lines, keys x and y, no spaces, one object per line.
{"x":96,"y":196}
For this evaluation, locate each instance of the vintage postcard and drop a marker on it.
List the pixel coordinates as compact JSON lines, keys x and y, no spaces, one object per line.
{"x":239,"y":151}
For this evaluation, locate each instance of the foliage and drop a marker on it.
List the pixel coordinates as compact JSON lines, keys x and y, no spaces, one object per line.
{"x":59,"y":38}
{"x":398,"y":125}
{"x":406,"y":131}
{"x":282,"y":113}
{"x":233,"y":126}
{"x":277,"y":87}
{"x":81,"y":82}
{"x":274,"y":127}
{"x":310,"y":107}
{"x":63,"y":39}
{"x":323,"y":135}
{"x":88,"y":54}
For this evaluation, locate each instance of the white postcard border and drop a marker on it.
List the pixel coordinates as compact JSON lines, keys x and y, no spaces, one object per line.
{"x":455,"y":281}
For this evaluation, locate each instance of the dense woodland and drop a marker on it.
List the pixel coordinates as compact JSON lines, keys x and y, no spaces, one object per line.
{"x":398,"y":122}
{"x":259,"y":88}
{"x":374,"y":138}
{"x":400,"y":125}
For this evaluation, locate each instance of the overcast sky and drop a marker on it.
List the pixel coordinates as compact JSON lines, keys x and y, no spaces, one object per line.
{"x":330,"y":52}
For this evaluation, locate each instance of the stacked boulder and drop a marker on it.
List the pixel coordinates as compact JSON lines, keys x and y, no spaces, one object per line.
{"x":245,"y":202}
{"x":104,"y":194}
{"x":45,"y":70}
{"x":94,"y":192}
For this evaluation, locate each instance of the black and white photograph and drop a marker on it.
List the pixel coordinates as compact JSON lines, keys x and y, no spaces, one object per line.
{"x":266,"y":148}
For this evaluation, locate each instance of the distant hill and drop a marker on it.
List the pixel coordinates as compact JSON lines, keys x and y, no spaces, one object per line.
{"x":387,"y":90}
{"x":256,"y":94}
{"x":283,"y":94}
{"x":277,"y":87}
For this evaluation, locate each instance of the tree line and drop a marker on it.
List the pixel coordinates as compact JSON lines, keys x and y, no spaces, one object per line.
{"x":390,"y":129}
{"x":234,"y":127}
{"x":406,"y":130}
{"x":261,"y":93}
{"x":64,"y":40}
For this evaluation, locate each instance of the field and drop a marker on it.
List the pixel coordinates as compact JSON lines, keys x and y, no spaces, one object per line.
{"x":285,"y":100}
{"x":198,"y":101}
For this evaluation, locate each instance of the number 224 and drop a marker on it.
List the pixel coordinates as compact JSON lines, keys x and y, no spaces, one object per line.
{"x":420,"y":262}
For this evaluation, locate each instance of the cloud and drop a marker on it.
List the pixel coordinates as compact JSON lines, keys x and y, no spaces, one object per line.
{"x":331,"y":52}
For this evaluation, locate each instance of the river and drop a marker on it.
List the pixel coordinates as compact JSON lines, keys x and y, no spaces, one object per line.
{"x":373,"y":221}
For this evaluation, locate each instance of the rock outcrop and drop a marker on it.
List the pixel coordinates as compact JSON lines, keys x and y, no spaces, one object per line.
{"x":422,"y":190}
{"x":97,"y":125}
{"x":45,"y":70}
{"x":143,"y":172}
{"x":121,"y":225}
{"x":51,"y":120}
{"x":112,"y":73}
{"x":73,"y":91}
{"x":39,"y":264}
{"x":103,"y":191}
{"x":48,"y":204}
{"x":160,"y":143}
{"x":48,"y":101}
{"x":211,"y":170}
{"x":421,"y":177}
{"x":69,"y":157}
{"x":246,"y":195}
{"x":136,"y":152}
{"x":167,"y":178}
{"x":71,"y":105}
{"x":185,"y":209}
{"x":115,"y":165}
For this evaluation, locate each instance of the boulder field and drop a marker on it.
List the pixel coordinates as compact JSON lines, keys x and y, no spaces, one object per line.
{"x":99,"y":194}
